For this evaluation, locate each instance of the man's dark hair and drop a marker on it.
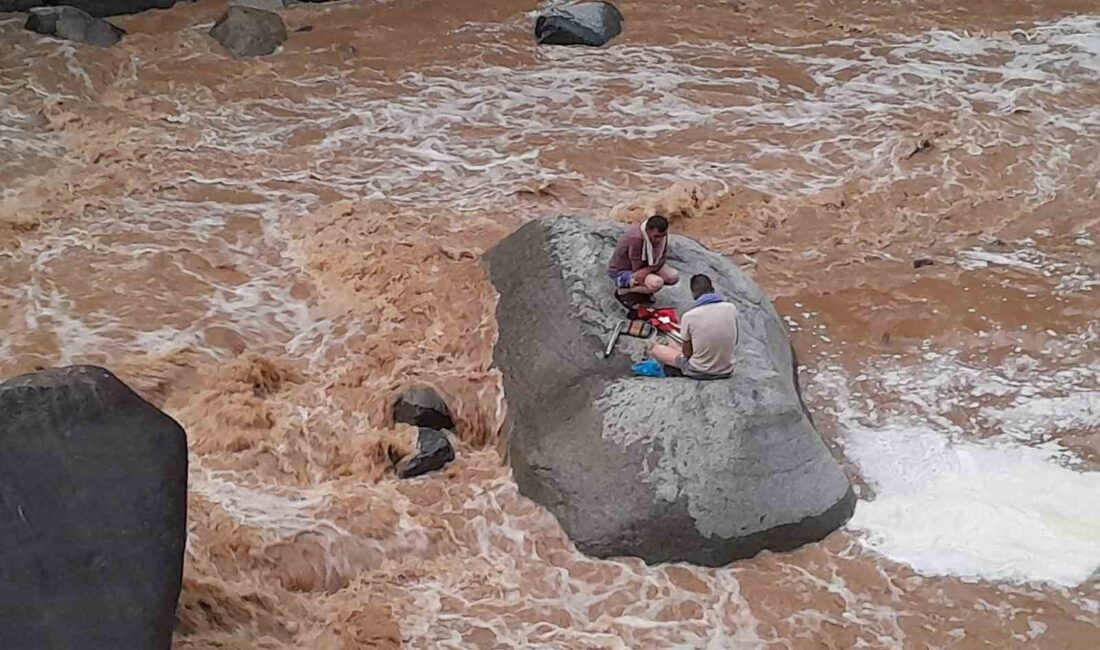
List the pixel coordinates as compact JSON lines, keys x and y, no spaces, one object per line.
{"x":658,"y":223}
{"x":701,"y":284}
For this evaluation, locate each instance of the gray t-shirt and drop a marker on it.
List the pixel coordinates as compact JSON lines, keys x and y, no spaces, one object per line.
{"x":712,"y":330}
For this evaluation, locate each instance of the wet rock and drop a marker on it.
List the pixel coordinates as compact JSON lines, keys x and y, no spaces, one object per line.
{"x":422,"y":407}
{"x":73,"y":24}
{"x":664,"y":469}
{"x":263,"y":5}
{"x":588,"y":23}
{"x":93,"y":513}
{"x":433,"y":451}
{"x":249,"y":32}
{"x":97,"y":8}
{"x":923,"y":261}
{"x":920,"y":147}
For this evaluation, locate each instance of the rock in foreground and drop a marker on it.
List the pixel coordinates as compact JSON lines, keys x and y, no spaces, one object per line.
{"x":93,"y":513}
{"x":244,"y":32}
{"x":73,"y":24}
{"x":588,"y":23}
{"x":665,"y":469}
{"x":422,"y":407}
{"x":98,"y":8}
{"x":433,"y":451}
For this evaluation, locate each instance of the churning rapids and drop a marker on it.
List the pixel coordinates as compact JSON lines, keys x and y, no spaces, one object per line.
{"x":270,"y":248}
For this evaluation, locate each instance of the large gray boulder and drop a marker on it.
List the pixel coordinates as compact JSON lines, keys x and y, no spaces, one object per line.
{"x":98,"y":8}
{"x":664,"y":469}
{"x":244,"y":31}
{"x":73,"y":24}
{"x":93,"y":514}
{"x":587,"y":23}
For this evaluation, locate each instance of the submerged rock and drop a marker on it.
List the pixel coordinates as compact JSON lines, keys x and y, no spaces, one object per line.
{"x":249,"y":32}
{"x":263,"y":5}
{"x":73,"y":24}
{"x":98,"y":8}
{"x":588,"y":23}
{"x":422,"y":407}
{"x":664,"y":469}
{"x":93,"y":513}
{"x":433,"y":451}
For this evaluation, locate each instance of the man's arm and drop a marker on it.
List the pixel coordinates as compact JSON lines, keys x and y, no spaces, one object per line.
{"x":637,"y":260}
{"x":685,"y":334}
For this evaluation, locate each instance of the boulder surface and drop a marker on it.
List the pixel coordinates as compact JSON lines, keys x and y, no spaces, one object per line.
{"x":93,"y":514}
{"x":98,"y":8}
{"x":263,"y":5}
{"x":421,"y":406}
{"x":667,"y":469}
{"x":433,"y":451}
{"x":73,"y":24}
{"x":587,"y":23}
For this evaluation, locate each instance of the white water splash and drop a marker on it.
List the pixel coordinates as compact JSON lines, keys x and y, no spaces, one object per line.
{"x":947,"y":503}
{"x":997,"y":511}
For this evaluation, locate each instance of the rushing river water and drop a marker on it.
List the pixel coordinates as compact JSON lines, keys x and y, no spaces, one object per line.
{"x":270,"y":248}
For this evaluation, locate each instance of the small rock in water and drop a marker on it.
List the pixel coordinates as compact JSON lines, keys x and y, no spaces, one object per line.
{"x":924,"y":145}
{"x":922,"y":261}
{"x":588,"y":23}
{"x":249,"y":32}
{"x":422,"y":407}
{"x":73,"y":24}
{"x":263,"y":5}
{"x":433,"y":451}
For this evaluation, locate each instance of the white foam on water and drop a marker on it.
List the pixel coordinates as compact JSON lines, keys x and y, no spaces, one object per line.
{"x":514,"y":576}
{"x":949,"y":503}
{"x":283,"y":511}
{"x":977,"y":259}
{"x":261,"y":306}
{"x":1045,"y":414}
{"x":469,"y":134}
{"x":992,"y":511}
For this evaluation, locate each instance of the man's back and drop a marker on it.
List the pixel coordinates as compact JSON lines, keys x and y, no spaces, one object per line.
{"x":712,"y":330}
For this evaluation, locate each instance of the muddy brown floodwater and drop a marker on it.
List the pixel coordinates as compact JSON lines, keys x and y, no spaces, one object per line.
{"x":268,"y":249}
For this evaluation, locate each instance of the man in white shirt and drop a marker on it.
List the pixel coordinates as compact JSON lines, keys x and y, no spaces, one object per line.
{"x":709,"y":331}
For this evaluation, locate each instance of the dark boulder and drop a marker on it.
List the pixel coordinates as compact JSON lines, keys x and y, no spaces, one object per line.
{"x":98,"y":8}
{"x":433,"y":451}
{"x":244,"y":31}
{"x":666,"y":469}
{"x":422,"y":407}
{"x":73,"y":24}
{"x":93,"y":514}
{"x":588,"y":23}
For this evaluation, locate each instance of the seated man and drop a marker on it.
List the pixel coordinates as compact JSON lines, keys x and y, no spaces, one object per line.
{"x":709,"y":331}
{"x":637,"y":266}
